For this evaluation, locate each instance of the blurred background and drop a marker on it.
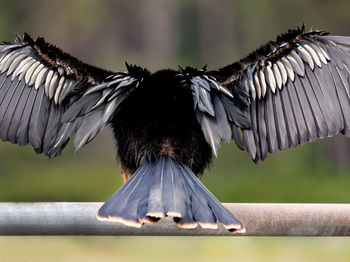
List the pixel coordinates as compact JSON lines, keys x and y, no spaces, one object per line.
{"x":158,"y":34}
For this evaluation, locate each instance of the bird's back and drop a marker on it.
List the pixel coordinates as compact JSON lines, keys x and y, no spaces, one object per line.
{"x":158,"y":120}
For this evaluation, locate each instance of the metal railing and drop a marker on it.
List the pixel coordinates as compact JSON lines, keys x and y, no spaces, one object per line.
{"x":74,"y":218}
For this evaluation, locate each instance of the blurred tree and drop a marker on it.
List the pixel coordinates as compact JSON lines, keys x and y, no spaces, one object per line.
{"x":216,"y":29}
{"x":160,"y":33}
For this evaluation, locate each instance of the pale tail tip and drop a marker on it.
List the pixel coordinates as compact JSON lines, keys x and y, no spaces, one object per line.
{"x":239,"y":231}
{"x":208,"y":225}
{"x":156,"y":214}
{"x":149,"y":220}
{"x":187,"y":225}
{"x":233,"y":226}
{"x":174,"y":214}
{"x":126,"y":222}
{"x":100,"y":218}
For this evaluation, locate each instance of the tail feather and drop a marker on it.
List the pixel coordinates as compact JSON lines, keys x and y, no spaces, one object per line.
{"x":187,"y":220}
{"x":155,"y":206}
{"x":174,"y":192}
{"x":223,"y":215}
{"x":124,"y":205}
{"x":166,"y":188}
{"x":200,"y":209}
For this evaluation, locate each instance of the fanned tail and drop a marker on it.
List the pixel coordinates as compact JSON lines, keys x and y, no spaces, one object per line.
{"x":167,"y":188}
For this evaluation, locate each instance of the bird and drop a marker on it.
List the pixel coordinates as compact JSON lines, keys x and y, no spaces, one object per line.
{"x":168,"y":125}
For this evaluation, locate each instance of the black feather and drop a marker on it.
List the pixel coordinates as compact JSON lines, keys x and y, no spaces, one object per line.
{"x":328,"y":107}
{"x":291,"y":125}
{"x":262,"y":130}
{"x":22,"y":132}
{"x":9,"y":113}
{"x":15,"y":122}
{"x":343,"y":97}
{"x":38,"y":120}
{"x":270,"y":124}
{"x":320,"y":122}
{"x":306,"y":110}
{"x":297,"y":112}
{"x":237,"y":136}
{"x":281,"y":128}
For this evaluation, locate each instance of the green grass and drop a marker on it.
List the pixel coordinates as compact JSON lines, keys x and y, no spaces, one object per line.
{"x":93,"y":175}
{"x":291,"y":176}
{"x":170,"y":249}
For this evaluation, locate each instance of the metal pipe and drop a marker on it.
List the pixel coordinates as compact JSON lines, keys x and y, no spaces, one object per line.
{"x":72,"y":218}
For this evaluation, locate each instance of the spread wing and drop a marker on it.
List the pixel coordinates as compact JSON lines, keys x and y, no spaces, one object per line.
{"x":47,"y":95}
{"x":298,"y":91}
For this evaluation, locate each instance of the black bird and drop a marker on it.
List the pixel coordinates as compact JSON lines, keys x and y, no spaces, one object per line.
{"x":168,"y":125}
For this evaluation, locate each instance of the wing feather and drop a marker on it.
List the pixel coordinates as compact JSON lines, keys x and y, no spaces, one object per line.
{"x":298,"y":113}
{"x":22,"y":132}
{"x":316,"y":113}
{"x":254,"y":127}
{"x":17,"y":115}
{"x":10,"y":110}
{"x":343,"y":97}
{"x":261,"y":127}
{"x":281,"y":128}
{"x":312,"y":98}
{"x":39,"y":84}
{"x":291,"y":125}
{"x":270,"y":124}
